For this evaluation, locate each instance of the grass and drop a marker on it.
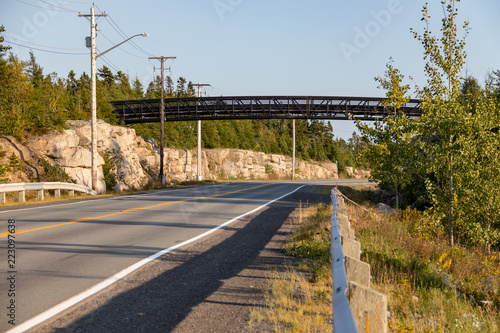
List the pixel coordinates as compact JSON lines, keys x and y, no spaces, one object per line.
{"x":300,"y":300}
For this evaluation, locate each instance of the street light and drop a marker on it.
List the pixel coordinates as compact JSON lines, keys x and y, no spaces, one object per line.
{"x":93,"y":98}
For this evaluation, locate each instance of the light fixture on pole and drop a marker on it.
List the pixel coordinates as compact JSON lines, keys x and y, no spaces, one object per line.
{"x":90,"y":42}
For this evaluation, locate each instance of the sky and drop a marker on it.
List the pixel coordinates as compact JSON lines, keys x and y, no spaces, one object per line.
{"x":250,"y":47}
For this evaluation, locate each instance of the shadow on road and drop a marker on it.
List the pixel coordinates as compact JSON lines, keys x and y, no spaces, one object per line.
{"x":161,"y":303}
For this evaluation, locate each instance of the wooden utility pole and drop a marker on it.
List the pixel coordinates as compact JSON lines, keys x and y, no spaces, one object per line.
{"x":93,"y":115}
{"x":162,"y":115}
{"x":199,"y":176}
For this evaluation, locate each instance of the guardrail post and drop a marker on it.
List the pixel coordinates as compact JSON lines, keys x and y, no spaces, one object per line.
{"x":2,"y":198}
{"x":57,"y":193}
{"x":22,"y":196}
{"x":40,"y":195}
{"x":71,"y":193}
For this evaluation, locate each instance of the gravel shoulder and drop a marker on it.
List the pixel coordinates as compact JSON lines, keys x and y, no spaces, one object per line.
{"x":210,"y":286}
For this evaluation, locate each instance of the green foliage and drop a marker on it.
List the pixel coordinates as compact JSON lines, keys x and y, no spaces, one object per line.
{"x":396,"y":91}
{"x":312,"y":242}
{"x":15,"y":163}
{"x":107,"y":168}
{"x":452,"y":149}
{"x":2,"y":47}
{"x":54,"y":172}
{"x":3,"y":168}
{"x":269,"y":169}
{"x":429,"y":285}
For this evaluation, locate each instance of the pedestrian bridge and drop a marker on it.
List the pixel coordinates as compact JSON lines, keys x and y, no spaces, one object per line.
{"x":259,"y":107}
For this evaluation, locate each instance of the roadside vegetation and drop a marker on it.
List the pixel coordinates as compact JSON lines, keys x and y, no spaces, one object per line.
{"x":300,"y":298}
{"x":446,"y":162}
{"x":430,"y":286}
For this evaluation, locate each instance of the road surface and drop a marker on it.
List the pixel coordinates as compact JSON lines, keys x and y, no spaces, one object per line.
{"x":62,"y":251}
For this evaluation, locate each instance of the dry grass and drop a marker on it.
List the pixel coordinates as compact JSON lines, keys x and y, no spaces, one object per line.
{"x":300,"y":301}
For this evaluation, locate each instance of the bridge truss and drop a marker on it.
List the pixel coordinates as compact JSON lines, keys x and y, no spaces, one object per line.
{"x":258,"y":107}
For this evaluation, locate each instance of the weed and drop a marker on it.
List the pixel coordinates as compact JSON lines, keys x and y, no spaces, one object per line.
{"x":107,"y":170}
{"x":54,"y":172}
{"x":269,"y":169}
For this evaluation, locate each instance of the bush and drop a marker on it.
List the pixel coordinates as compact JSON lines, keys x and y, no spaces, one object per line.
{"x":107,"y":168}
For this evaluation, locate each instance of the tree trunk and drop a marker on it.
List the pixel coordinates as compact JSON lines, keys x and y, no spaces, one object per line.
{"x":397,"y":196}
{"x":450,"y":207}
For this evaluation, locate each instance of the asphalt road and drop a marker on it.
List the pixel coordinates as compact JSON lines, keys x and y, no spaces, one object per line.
{"x":64,"y":250}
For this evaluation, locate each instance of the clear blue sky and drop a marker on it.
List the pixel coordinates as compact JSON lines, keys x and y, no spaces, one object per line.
{"x":252,"y":47}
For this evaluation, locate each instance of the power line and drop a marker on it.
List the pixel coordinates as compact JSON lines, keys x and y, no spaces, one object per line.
{"x":110,"y":63}
{"x":66,"y":9}
{"x":110,"y":19}
{"x":84,"y":2}
{"x":45,"y":8}
{"x":48,"y":51}
{"x":47,"y":46}
{"x":120,"y":32}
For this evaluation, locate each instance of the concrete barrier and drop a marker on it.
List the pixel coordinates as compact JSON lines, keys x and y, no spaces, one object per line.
{"x":369,"y":308}
{"x":350,"y":247}
{"x":357,"y":271}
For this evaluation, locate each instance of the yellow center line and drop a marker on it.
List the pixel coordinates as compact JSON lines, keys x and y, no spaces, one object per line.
{"x":4,"y":234}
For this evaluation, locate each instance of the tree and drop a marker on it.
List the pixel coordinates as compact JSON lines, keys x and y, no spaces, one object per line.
{"x":453,"y":146}
{"x":443,"y":115}
{"x":2,"y":47}
{"x":391,"y":139}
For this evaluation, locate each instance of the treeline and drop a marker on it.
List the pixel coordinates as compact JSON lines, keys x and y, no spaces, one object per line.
{"x":446,"y":162}
{"x":33,"y":103}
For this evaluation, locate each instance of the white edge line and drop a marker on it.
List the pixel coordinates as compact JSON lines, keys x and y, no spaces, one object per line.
{"x":30,"y":323}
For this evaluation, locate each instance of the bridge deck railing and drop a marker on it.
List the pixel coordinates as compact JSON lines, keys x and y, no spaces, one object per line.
{"x":258,"y":107}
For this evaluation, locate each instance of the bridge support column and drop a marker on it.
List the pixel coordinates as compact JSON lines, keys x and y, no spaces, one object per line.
{"x":199,"y":151}
{"x":293,"y":154}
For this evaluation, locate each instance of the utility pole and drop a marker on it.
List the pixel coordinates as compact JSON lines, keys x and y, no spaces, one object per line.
{"x":93,"y":116}
{"x":162,"y":115}
{"x":199,"y":85}
{"x":90,"y":42}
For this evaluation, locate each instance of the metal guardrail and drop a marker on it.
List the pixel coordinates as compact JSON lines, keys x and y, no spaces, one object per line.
{"x":343,"y":320}
{"x":40,"y":187}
